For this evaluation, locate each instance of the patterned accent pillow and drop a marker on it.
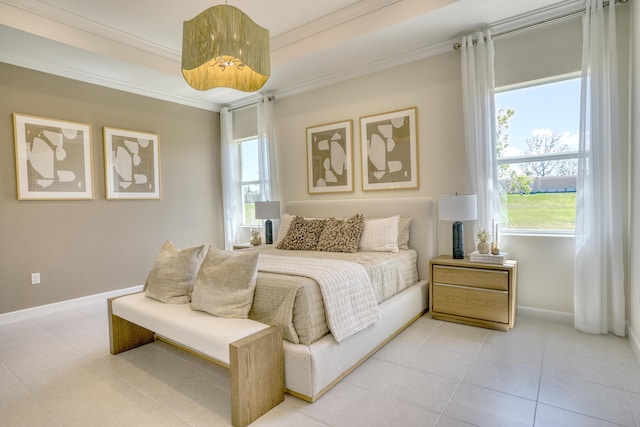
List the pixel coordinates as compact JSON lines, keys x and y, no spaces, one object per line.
{"x":341,"y":235}
{"x":173,"y":274}
{"x":303,"y":234}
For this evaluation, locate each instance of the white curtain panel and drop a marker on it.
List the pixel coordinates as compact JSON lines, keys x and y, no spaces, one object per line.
{"x":267,"y":154}
{"x":599,"y":301}
{"x":230,"y":202}
{"x":478,"y":100}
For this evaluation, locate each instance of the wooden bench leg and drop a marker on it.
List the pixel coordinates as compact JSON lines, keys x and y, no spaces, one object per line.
{"x":124,"y":335}
{"x":257,"y":375}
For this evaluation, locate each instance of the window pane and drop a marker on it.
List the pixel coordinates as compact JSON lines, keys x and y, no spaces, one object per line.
{"x":250,"y":194}
{"x":249,"y":166}
{"x":532,"y":122}
{"x":532,"y":201}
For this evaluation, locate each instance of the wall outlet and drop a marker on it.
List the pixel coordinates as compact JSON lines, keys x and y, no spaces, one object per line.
{"x":35,"y":278}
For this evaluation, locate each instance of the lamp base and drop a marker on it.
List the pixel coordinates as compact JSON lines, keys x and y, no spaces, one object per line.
{"x":268,"y":232}
{"x":458,"y":240}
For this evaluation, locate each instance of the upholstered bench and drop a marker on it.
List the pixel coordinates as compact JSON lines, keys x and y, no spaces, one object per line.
{"x":252,"y":351}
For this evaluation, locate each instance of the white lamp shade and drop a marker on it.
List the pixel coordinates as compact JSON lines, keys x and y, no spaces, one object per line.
{"x":267,"y":210}
{"x":457,"y":208}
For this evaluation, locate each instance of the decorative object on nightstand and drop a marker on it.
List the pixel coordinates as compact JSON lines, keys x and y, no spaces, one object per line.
{"x":457,"y":208}
{"x":474,"y":294}
{"x":268,"y":211}
{"x":495,"y":246}
{"x":255,"y":237}
{"x":484,"y":246}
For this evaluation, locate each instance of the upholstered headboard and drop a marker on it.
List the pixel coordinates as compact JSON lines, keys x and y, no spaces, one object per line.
{"x":422,"y":210}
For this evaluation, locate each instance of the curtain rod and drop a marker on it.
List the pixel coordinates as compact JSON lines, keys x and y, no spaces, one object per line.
{"x":254,"y":101}
{"x":457,"y":45}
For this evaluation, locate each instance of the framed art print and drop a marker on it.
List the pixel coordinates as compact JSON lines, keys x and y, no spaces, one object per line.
{"x":389,"y":144}
{"x":329,"y":158}
{"x":53,"y":159}
{"x":132,"y":164}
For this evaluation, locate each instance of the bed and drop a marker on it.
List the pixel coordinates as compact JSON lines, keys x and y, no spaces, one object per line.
{"x":314,"y":358}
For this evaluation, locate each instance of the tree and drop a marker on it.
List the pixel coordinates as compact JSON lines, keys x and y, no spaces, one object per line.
{"x":548,"y":143}
{"x":502,"y":139}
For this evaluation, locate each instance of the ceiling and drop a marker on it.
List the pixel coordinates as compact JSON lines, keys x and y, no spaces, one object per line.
{"x":135,"y":45}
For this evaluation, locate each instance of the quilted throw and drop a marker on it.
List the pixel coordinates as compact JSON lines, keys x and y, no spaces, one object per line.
{"x":349,"y":300}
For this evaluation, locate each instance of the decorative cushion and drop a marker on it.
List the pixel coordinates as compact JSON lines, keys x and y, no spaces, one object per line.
{"x":380,"y":235}
{"x":226,"y":283}
{"x":285,"y":223}
{"x":303,"y":234}
{"x":173,"y":273}
{"x":403,"y":233}
{"x":341,"y":235}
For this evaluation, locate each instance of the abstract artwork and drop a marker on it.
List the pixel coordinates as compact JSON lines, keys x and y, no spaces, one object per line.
{"x":389,"y":150}
{"x":329,"y":158}
{"x":132,"y":169}
{"x":53,"y":158}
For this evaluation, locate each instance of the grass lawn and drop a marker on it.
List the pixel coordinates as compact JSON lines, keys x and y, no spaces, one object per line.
{"x":542,"y":211}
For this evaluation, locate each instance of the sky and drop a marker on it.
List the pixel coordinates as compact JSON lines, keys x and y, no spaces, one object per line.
{"x":552,"y":107}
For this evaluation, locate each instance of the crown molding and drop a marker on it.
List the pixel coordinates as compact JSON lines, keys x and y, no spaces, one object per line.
{"x":34,"y":63}
{"x":337,"y":18}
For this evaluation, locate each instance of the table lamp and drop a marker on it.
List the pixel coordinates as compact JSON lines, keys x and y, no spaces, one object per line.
{"x":457,"y":208}
{"x":268,"y":211}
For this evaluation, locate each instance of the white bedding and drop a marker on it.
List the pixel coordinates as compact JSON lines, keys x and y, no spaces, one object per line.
{"x":349,"y":301}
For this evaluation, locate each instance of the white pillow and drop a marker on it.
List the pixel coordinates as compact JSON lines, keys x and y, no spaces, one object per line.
{"x":285,"y":222}
{"x":403,"y":233}
{"x":380,"y":235}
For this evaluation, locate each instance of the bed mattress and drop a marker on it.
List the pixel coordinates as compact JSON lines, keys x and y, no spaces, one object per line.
{"x":295,"y":303}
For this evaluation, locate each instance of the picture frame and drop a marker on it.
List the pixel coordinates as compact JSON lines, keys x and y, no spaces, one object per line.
{"x":132,"y":164}
{"x":53,"y":159}
{"x":330,"y":158}
{"x":389,"y":148}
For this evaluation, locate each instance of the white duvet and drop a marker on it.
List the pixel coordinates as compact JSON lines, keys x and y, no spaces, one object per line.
{"x":347,"y":292}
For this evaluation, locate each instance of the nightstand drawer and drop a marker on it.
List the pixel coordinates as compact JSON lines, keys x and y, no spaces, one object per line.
{"x":473,"y":277}
{"x":481,"y":304}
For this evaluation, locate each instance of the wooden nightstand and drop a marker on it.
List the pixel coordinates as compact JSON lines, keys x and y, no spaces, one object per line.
{"x":473,"y":293}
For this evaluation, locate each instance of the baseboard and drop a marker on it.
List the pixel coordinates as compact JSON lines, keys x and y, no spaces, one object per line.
{"x":544,"y":314}
{"x":634,"y":340}
{"x":30,"y":313}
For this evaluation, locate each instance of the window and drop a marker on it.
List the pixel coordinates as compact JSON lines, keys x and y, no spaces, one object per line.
{"x":249,"y":183}
{"x":537,"y":149}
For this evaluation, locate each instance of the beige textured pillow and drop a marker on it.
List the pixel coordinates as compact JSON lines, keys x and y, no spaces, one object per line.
{"x":341,"y":235}
{"x":226,"y":283}
{"x":303,"y":234}
{"x":173,"y":273}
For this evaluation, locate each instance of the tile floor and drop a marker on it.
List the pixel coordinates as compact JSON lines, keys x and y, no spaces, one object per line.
{"x":56,"y":371}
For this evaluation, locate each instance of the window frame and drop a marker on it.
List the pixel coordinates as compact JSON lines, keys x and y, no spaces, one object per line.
{"x":567,"y":155}
{"x":240,"y":184}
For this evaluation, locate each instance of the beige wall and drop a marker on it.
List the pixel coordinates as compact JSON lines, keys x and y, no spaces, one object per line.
{"x":434,"y":86}
{"x":82,"y":248}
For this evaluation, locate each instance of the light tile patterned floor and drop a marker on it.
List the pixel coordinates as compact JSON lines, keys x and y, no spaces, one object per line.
{"x":56,"y":371}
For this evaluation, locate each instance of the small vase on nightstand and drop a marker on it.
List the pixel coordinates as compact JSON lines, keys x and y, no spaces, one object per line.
{"x":484,"y":247}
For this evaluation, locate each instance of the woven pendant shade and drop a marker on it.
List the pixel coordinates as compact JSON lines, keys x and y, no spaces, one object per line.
{"x":223,"y":47}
